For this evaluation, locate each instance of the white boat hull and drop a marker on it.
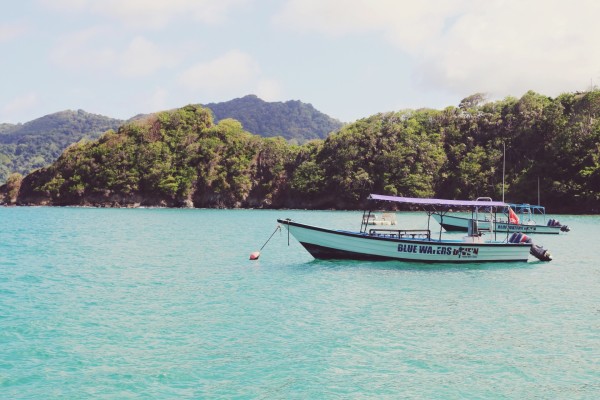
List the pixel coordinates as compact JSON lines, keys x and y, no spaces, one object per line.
{"x":453,"y":223}
{"x":333,"y":244}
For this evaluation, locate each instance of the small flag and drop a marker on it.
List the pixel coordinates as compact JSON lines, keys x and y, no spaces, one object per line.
{"x":512,"y":217}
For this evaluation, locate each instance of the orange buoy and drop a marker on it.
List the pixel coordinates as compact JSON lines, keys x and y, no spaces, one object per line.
{"x":254,"y":255}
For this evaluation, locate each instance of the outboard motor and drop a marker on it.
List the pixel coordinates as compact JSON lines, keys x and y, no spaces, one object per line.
{"x":540,"y":253}
{"x":555,"y":222}
{"x":536,"y":250}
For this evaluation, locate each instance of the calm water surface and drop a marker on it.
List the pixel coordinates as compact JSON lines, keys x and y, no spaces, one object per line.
{"x":159,"y":303}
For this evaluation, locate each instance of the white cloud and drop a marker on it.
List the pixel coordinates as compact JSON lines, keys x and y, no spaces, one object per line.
{"x":12,"y":31}
{"x":509,"y":48}
{"x":149,"y":13}
{"x":65,"y":5}
{"x":407,"y":24}
{"x":94,"y":49}
{"x":466,"y":46}
{"x":17,"y":107}
{"x":83,"y":50}
{"x":232,"y":74}
{"x":143,"y":58}
{"x":228,"y":74}
{"x":269,"y":90}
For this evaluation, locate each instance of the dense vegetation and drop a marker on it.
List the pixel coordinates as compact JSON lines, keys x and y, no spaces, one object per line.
{"x":295,"y":121}
{"x":182,"y":158}
{"x":38,"y":143}
{"x":35,"y":144}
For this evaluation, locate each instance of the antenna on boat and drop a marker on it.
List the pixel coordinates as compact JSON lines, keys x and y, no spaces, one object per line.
{"x":255,"y":254}
{"x":539,"y":191}
{"x":503,"y":167}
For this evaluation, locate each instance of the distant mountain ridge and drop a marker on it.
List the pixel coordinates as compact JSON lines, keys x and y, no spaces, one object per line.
{"x":4,"y":127}
{"x":293,"y":119}
{"x":37,"y":143}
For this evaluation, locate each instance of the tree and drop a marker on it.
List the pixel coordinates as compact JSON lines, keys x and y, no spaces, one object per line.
{"x":472,"y":101}
{"x":13,"y":185}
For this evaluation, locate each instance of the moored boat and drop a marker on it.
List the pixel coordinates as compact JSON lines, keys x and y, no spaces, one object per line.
{"x":418,"y":245}
{"x":524,"y":218}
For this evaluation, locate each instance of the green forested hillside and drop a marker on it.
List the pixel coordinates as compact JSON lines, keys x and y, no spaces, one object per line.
{"x":35,"y":144}
{"x":182,"y":158}
{"x":25,"y":147}
{"x":6,"y":128}
{"x":294,"y":120}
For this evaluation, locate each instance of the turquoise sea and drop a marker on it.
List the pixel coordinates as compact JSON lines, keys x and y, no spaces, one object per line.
{"x":165,"y":304}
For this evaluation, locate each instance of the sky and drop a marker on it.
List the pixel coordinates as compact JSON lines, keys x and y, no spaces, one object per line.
{"x":348,"y":58}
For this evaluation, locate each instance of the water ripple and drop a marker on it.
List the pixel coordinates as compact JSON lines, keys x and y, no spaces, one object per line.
{"x":114,"y":304}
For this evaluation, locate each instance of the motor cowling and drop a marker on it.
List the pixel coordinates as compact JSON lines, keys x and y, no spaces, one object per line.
{"x":519,"y":237}
{"x":536,"y":250}
{"x":555,"y":222}
{"x":540,"y":253}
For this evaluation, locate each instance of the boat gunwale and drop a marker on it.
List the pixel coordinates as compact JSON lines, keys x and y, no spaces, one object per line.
{"x":398,"y":240}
